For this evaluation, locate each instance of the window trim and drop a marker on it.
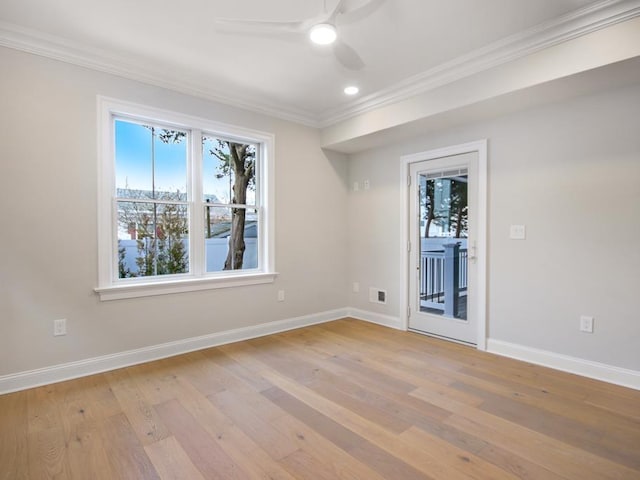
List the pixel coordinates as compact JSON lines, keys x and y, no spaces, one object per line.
{"x":112,"y":288}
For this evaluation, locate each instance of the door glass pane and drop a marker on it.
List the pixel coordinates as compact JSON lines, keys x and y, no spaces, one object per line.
{"x":443,"y":243}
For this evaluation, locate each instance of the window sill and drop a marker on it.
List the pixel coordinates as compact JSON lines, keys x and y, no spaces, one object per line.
{"x":134,"y":290}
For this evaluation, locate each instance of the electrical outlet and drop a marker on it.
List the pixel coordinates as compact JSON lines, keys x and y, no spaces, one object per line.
{"x":281,"y":295}
{"x":59,"y":327}
{"x":366,"y":185}
{"x":586,"y":324}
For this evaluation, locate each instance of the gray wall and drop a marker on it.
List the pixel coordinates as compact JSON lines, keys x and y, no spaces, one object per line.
{"x":570,"y":172}
{"x":48,"y":181}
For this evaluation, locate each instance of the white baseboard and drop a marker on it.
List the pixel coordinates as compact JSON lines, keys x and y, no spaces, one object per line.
{"x":68,"y":371}
{"x":90,"y":366}
{"x":565,"y":363}
{"x":379,"y":319}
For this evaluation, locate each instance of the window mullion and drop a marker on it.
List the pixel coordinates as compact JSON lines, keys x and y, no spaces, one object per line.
{"x":151,"y":200}
{"x":196,"y":230}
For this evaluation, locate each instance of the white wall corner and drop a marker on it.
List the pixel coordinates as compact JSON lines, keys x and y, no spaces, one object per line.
{"x":67,"y":371}
{"x":377,"y":318}
{"x":586,"y":368}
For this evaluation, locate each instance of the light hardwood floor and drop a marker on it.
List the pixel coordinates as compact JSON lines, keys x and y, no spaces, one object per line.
{"x":343,"y":400}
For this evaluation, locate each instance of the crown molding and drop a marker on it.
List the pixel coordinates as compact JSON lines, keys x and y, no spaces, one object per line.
{"x":572,"y":25}
{"x":57,"y":48}
{"x":561,"y":29}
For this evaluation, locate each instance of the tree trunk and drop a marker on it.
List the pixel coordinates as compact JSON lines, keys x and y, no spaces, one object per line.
{"x":429,"y":204}
{"x":459,"y":221}
{"x":235,"y":255}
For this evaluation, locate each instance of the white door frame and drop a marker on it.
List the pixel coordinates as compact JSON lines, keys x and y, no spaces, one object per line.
{"x":480,"y":147}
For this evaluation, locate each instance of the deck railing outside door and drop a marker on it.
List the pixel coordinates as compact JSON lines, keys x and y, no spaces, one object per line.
{"x":444,"y":277}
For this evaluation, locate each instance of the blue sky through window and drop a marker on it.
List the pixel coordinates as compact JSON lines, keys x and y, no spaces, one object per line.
{"x":135,"y":160}
{"x":137,"y":164}
{"x":217,"y":187}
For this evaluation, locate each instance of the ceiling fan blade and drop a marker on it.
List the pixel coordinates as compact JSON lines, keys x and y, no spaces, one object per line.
{"x":337,"y":10}
{"x":260,"y":26}
{"x":347,"y":56}
{"x":356,"y":10}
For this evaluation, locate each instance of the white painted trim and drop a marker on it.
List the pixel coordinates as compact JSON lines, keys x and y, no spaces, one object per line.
{"x":91,"y":366}
{"x":112,"y":288}
{"x":482,"y":246}
{"x":68,"y":371}
{"x":572,"y":25}
{"x":586,"y":368}
{"x":141,"y":70}
{"x":480,"y":147}
{"x":377,"y":318}
{"x":136,"y":290}
{"x":405,"y":175}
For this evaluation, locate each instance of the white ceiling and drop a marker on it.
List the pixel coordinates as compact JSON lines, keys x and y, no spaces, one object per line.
{"x":179,"y":43}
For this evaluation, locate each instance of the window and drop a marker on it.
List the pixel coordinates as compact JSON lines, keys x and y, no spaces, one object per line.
{"x":184,"y":203}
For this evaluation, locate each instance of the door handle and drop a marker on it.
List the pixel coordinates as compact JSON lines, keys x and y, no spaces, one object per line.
{"x":472,"y":254}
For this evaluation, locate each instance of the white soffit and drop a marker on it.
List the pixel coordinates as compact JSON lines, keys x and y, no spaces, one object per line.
{"x":599,"y":49}
{"x":567,"y":27}
{"x":613,"y":76}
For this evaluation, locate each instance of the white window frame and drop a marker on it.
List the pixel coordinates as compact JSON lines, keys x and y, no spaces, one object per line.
{"x":110,"y":287}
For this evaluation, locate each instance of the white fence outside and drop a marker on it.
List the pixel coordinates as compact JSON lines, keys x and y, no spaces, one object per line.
{"x":440,"y":286}
{"x":215,"y":250}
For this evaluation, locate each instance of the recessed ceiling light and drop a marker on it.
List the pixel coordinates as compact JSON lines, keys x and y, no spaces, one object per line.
{"x":323,"y":34}
{"x":351,"y":90}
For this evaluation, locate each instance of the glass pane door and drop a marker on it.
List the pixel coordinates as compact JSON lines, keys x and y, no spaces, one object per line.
{"x":443,"y":266}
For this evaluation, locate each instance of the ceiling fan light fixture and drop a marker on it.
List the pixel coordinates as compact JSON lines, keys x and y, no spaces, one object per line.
{"x":323,"y":34}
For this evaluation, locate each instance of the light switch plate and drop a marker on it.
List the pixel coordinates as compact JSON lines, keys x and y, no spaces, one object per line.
{"x":517,"y":232}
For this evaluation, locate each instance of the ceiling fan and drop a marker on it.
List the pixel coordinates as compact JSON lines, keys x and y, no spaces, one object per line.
{"x":321,"y":28}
